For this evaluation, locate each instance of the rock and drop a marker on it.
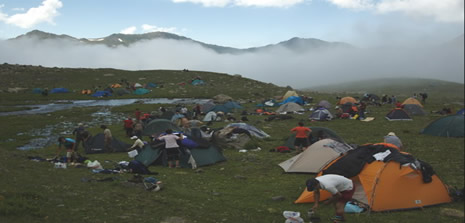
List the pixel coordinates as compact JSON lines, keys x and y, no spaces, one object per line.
{"x":452,"y":212}
{"x":278,"y":198}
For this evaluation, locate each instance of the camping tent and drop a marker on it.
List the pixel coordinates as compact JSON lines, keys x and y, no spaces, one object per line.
{"x":156,"y":155}
{"x":412,"y":101}
{"x":290,"y":107}
{"x":96,"y":144}
{"x":388,"y":184}
{"x":99,"y":94}
{"x":158,"y":126}
{"x":252,"y":129}
{"x":321,"y":114}
{"x":141,"y":91}
{"x":324,"y":104}
{"x":448,"y":126}
{"x":347,"y":99}
{"x":198,"y":82}
{"x":222,"y":98}
{"x":414,"y":109}
{"x":398,"y":114}
{"x":232,"y":105}
{"x":289,"y":94}
{"x":207,"y":106}
{"x":210,"y":116}
{"x":121,"y":91}
{"x":461,"y":111}
{"x":315,"y":157}
{"x":59,"y":90}
{"x":295,"y":99}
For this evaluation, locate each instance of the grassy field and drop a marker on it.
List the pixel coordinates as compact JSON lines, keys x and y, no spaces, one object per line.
{"x":238,"y":190}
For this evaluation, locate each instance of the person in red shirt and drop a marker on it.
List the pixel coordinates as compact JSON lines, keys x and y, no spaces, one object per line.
{"x":137,"y":113}
{"x":301,"y":137}
{"x":128,"y":123}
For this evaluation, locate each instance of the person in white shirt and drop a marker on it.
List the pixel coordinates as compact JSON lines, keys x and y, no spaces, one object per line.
{"x":341,"y":188}
{"x":138,"y":144}
{"x":172,"y":147}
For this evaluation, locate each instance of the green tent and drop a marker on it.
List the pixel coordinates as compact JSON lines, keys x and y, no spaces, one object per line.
{"x":155,"y":155}
{"x":141,"y":91}
{"x":158,"y":126}
{"x":449,"y":126}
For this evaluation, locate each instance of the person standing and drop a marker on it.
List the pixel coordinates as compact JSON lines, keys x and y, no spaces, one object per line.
{"x":172,"y":147}
{"x":341,"y":188}
{"x":138,"y":129}
{"x":81,"y":135}
{"x":107,"y":138}
{"x":393,"y":139}
{"x":68,"y":144}
{"x":137,"y":114}
{"x":301,"y":136}
{"x":128,"y":126}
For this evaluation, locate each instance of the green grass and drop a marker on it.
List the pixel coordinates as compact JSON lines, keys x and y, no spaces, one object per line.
{"x":238,"y":190}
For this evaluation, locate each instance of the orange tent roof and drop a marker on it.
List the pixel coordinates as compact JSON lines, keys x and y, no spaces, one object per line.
{"x":347,"y":99}
{"x":412,"y":101}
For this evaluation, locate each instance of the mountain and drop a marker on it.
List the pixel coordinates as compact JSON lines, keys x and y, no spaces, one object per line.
{"x":295,"y":44}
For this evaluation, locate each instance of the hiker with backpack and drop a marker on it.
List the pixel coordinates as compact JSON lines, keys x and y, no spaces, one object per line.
{"x":341,"y":188}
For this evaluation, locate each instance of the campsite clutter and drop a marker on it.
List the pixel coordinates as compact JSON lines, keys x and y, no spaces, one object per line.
{"x":180,"y":137}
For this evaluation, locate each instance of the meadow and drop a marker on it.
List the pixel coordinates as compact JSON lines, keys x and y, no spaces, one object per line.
{"x":240,"y":189}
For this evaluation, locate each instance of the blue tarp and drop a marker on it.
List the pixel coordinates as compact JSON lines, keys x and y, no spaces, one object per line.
{"x":461,"y":112}
{"x":295,"y":99}
{"x":59,"y":90}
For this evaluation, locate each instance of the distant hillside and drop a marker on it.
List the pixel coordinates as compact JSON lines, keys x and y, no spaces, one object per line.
{"x":396,"y":86}
{"x":114,"y":40}
{"x":171,"y":83}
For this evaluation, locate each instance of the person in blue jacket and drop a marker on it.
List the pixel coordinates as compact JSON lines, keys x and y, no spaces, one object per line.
{"x":68,"y":144}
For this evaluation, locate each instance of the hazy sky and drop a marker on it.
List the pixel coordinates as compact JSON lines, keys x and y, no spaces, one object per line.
{"x":394,"y":38}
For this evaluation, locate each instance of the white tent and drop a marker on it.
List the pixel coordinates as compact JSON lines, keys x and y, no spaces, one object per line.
{"x":315,"y":157}
{"x":290,"y":107}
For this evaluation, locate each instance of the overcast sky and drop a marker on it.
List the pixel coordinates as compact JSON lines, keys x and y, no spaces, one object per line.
{"x":394,"y":37}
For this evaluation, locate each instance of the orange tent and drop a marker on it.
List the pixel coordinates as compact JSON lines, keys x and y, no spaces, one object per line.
{"x":386,"y":186}
{"x":347,"y":99}
{"x":412,"y":101}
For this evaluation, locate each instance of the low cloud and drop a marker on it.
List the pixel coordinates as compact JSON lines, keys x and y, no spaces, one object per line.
{"x":441,"y":11}
{"x":46,"y":12}
{"x":279,"y":66}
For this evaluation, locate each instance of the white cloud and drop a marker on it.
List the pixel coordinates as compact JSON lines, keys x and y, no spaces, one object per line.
{"x":129,"y":30}
{"x":206,"y":3}
{"x":443,"y":10}
{"x":353,"y":4}
{"x":440,"y":10}
{"x":150,"y":28}
{"x":245,"y":3}
{"x":46,"y":12}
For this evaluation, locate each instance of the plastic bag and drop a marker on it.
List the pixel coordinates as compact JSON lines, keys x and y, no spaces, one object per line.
{"x":292,"y":217}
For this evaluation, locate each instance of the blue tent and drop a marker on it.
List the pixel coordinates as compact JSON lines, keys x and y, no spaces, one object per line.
{"x":295,"y":99}
{"x":59,"y":90}
{"x":232,"y":105}
{"x":197,"y":82}
{"x":461,"y":112}
{"x":151,"y":85}
{"x":141,"y":91}
{"x":221,"y":108}
{"x":101,"y":94}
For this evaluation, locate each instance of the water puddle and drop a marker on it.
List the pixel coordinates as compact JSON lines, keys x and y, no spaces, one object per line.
{"x":64,"y":104}
{"x":48,"y":135}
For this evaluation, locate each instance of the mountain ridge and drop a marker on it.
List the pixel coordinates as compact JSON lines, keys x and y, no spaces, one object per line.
{"x":295,"y":44}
